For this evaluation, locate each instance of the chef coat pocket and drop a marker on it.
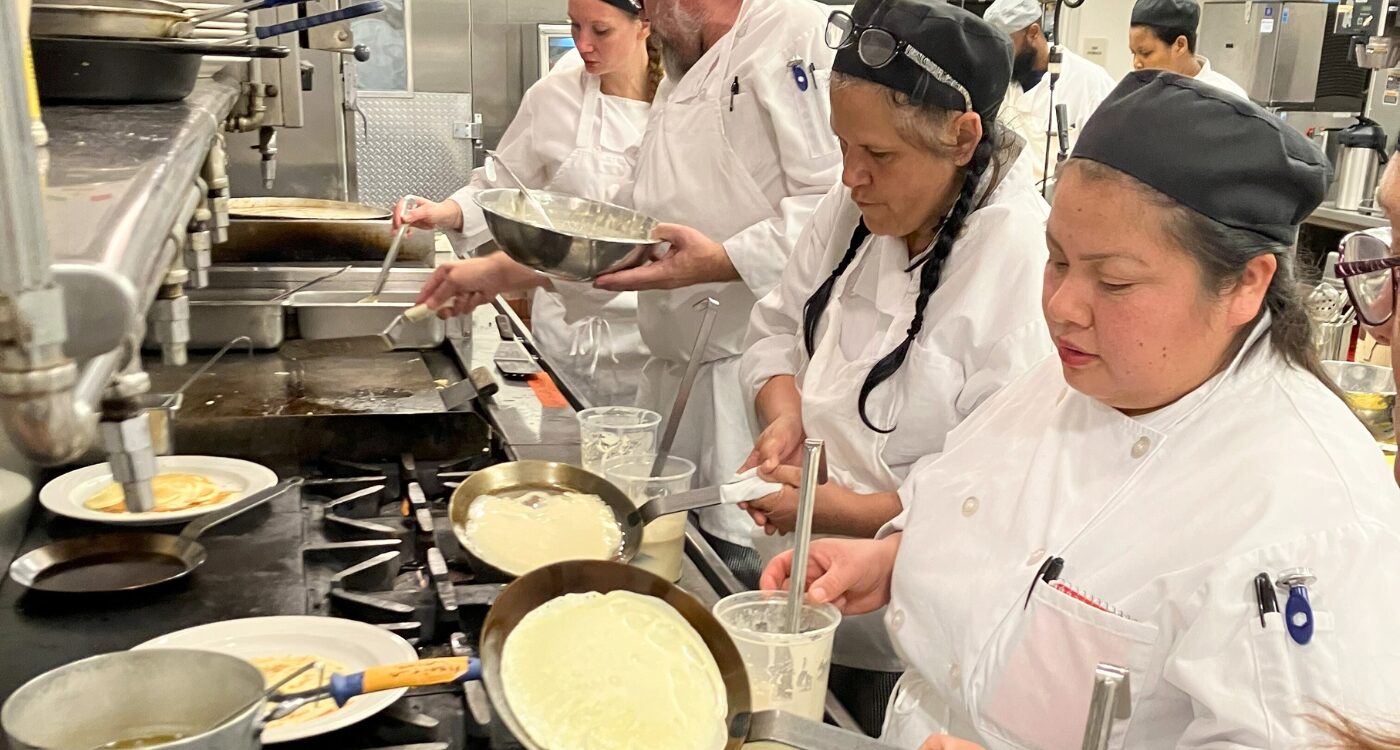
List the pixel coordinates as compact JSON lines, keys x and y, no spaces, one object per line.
{"x":1295,"y":680}
{"x":748,"y":133}
{"x":812,"y":115}
{"x":1041,"y":677}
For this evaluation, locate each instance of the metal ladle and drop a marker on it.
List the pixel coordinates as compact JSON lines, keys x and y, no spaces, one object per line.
{"x":492,"y":159}
{"x":673,"y":420}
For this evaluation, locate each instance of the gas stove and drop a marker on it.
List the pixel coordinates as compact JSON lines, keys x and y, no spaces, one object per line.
{"x":379,"y":547}
{"x":369,"y":541}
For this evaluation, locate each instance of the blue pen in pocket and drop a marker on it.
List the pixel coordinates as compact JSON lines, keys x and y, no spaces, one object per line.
{"x":799,"y":73}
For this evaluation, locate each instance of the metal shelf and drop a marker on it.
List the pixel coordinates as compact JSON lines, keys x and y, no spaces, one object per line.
{"x":1346,"y":221}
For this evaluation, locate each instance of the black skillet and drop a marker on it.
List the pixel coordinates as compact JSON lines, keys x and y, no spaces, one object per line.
{"x":126,"y":71}
{"x":109,"y":563}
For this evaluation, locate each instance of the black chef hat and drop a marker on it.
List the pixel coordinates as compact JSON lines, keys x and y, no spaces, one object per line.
{"x":633,"y":7}
{"x":1181,"y":15}
{"x":1209,"y":150}
{"x":969,"y":49}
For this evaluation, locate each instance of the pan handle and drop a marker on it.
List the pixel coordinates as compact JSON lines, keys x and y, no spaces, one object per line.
{"x":704,"y":497}
{"x":302,"y":24}
{"x":219,"y":49}
{"x":787,"y":729}
{"x":194,"y":529}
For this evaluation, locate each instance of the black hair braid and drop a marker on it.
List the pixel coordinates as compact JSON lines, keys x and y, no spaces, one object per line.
{"x":930,"y":273}
{"x":816,"y":304}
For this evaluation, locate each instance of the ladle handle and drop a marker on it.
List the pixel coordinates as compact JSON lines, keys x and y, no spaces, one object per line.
{"x":806,"y":499}
{"x":194,"y":529}
{"x":709,"y":309}
{"x":679,"y":502}
{"x":787,"y":729}
{"x":451,"y":670}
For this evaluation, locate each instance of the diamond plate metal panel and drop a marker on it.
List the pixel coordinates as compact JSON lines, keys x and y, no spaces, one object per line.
{"x":410,"y":147}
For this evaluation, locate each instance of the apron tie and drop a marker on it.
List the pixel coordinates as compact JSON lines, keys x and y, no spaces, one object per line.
{"x":599,"y":337}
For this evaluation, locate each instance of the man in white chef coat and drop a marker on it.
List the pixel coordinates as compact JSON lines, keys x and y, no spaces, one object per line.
{"x":736,"y":156}
{"x":1163,"y":36}
{"x":1029,"y":106}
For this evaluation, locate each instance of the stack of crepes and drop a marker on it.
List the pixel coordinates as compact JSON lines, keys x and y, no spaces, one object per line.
{"x":172,"y":492}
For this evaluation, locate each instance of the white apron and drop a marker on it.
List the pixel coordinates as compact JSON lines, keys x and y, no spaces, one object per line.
{"x":688,"y":174}
{"x":590,"y":334}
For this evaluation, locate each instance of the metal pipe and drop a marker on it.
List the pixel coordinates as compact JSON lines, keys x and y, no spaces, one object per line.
{"x":38,"y":407}
{"x":23,"y":250}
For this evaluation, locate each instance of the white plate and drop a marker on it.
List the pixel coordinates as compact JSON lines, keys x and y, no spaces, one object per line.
{"x":354,"y":644}
{"x":66,"y":494}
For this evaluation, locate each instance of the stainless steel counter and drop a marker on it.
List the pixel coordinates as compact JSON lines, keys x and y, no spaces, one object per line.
{"x":1346,"y":221}
{"x":120,"y":178}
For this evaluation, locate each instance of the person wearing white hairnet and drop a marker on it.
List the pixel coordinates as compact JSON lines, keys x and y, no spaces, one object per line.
{"x":1030,"y":100}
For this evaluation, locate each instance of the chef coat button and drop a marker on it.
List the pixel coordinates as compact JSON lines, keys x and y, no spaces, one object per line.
{"x":1141,"y":447}
{"x":896,"y":619}
{"x":955,"y":674}
{"x":1036,"y":557}
{"x":970,"y":506}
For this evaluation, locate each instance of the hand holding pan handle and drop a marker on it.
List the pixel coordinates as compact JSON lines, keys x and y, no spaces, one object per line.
{"x":194,"y":529}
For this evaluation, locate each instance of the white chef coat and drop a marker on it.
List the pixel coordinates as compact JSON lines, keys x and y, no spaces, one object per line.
{"x":571,"y":138}
{"x":982,"y":328}
{"x":1081,"y":87}
{"x":747,"y":169}
{"x":1218,"y":80}
{"x":1166,"y":518}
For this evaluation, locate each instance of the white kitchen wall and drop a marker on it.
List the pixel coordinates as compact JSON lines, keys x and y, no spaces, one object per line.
{"x":1100,"y":26}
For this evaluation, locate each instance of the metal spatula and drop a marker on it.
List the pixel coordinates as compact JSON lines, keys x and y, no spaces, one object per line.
{"x":409,"y":204}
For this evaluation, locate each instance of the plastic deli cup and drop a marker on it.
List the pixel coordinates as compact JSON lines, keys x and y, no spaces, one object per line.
{"x":787,"y":671}
{"x":663,"y":540}
{"x":607,"y":433}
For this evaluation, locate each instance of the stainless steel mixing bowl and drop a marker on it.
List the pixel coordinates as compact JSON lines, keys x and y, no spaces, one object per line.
{"x":1370,"y":392}
{"x":590,"y":238}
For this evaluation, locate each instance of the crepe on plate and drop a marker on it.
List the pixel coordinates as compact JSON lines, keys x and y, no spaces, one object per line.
{"x":173,"y":491}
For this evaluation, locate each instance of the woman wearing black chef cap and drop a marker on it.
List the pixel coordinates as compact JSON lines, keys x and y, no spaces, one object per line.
{"x":1179,"y":494}
{"x":576,"y":132}
{"x":910,"y":298}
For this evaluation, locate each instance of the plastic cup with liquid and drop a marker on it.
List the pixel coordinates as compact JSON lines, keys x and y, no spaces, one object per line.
{"x":787,"y":671}
{"x":607,"y":433}
{"x":663,"y":540}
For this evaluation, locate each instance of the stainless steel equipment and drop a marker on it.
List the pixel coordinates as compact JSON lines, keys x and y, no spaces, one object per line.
{"x":129,"y":695}
{"x":1273,"y":49}
{"x":1371,"y":24}
{"x":593,"y":237}
{"x":339,"y":315}
{"x":1361,"y":159}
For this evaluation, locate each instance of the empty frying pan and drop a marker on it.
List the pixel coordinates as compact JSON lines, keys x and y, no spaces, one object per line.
{"x":128,"y":561}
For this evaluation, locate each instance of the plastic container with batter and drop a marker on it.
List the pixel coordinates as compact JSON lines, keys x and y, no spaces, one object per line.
{"x":663,"y":540}
{"x":608,"y":433}
{"x":787,"y":671}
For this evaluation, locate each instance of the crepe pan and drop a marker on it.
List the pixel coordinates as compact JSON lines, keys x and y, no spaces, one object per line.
{"x":579,"y":576}
{"x":550,"y":476}
{"x":109,"y":563}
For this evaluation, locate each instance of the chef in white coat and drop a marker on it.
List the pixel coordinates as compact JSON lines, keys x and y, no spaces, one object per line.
{"x":576,"y":132}
{"x":1162,"y":35}
{"x":1119,"y":503}
{"x":910,"y":298}
{"x":737,"y":155}
{"x":1080,"y":85}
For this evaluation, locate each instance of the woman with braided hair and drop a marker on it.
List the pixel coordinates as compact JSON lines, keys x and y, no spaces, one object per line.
{"x":1180,"y":496}
{"x":911,"y":296}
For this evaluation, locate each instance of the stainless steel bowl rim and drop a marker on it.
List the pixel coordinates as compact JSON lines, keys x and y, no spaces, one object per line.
{"x":481,"y":197}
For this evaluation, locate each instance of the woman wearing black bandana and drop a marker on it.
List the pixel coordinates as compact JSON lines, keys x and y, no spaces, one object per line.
{"x":912,"y":297}
{"x":576,"y":132}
